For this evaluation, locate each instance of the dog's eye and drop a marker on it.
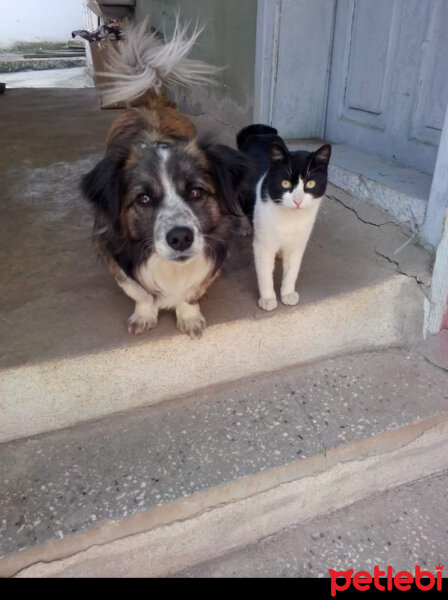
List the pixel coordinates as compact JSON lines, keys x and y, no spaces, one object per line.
{"x":286,"y":184}
{"x":196,"y":194}
{"x":310,"y":184}
{"x":143,"y":199}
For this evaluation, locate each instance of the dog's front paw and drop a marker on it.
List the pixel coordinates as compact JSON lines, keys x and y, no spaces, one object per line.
{"x":291,"y":299}
{"x":267,"y":303}
{"x":192,"y":326}
{"x":139,"y":323}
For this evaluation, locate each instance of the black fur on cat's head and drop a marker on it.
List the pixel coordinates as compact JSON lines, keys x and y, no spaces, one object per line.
{"x":290,"y":179}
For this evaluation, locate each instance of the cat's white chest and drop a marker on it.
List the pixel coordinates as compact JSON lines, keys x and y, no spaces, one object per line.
{"x":278,"y":226}
{"x":172,"y":282}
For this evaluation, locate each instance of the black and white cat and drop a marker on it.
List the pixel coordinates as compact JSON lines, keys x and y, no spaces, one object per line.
{"x":283,"y":202}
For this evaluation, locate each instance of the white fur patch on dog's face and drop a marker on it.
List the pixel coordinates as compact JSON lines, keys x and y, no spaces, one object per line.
{"x":174,"y":212}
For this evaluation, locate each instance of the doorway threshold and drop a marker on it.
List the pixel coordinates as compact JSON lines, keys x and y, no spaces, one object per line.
{"x":399,"y":190}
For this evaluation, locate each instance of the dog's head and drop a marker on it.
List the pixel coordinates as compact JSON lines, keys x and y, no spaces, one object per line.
{"x":169,"y":198}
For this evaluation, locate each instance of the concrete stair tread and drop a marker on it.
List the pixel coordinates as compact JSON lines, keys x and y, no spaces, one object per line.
{"x":59,"y":302}
{"x":402,"y":527}
{"x":66,"y":482}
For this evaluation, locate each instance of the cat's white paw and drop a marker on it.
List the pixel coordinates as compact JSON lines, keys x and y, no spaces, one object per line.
{"x":290,"y":299}
{"x":138,"y":323}
{"x":267,"y":303}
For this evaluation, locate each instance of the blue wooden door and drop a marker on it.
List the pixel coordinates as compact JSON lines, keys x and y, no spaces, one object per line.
{"x":388,"y":87}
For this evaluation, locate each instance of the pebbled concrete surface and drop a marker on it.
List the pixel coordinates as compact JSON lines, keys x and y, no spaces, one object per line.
{"x":65,"y":482}
{"x":404,"y":527}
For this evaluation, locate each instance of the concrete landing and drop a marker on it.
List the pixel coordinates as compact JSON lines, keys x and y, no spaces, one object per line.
{"x":401,"y":191}
{"x":65,"y":355}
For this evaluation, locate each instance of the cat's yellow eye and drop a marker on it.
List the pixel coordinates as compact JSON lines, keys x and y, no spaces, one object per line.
{"x":310,"y":184}
{"x":286,"y":184}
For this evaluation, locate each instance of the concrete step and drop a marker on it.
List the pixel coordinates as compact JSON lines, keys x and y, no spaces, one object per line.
{"x":74,"y":78}
{"x":18,"y":63}
{"x":159,"y":489}
{"x":402,"y":527}
{"x":401,"y":191}
{"x":65,"y":355}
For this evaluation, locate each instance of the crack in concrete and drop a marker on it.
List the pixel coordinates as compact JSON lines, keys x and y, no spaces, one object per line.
{"x":360,"y":218}
{"x":391,"y":261}
{"x":397,"y":264}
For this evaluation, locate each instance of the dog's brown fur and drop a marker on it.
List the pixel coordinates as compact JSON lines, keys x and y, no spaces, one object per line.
{"x":218,"y":170}
{"x":156,"y":114}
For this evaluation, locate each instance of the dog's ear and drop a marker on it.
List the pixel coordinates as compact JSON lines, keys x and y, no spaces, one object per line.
{"x":231,"y":171}
{"x":103,"y":185}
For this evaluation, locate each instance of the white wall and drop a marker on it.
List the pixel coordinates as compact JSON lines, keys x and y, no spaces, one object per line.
{"x":39,"y":20}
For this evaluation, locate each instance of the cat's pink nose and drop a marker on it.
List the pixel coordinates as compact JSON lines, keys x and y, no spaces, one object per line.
{"x":298,"y":203}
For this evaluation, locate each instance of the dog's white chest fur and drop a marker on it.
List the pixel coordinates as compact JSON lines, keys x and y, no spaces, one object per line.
{"x":172,"y":282}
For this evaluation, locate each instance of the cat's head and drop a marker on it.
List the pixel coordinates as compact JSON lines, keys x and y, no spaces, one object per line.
{"x":296,"y":179}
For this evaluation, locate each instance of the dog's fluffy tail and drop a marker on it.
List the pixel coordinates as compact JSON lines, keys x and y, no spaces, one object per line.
{"x":147,"y":61}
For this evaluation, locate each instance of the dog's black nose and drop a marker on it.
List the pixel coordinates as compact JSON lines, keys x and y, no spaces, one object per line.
{"x":180,"y":238}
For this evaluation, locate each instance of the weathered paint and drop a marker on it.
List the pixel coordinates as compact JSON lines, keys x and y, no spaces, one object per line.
{"x":438,"y":198}
{"x":389,"y":78}
{"x":294,"y":40}
{"x":39,"y":20}
{"x":228,"y":40}
{"x":304,"y":53}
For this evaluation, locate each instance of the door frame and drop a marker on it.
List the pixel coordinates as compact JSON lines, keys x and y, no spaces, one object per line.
{"x":436,"y":228}
{"x":266,"y":58}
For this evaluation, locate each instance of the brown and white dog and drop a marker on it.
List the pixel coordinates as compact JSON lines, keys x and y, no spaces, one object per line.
{"x":163,"y":199}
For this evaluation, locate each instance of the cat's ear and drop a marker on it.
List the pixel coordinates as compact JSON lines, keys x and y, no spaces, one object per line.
{"x":278,"y":152}
{"x":323,"y":154}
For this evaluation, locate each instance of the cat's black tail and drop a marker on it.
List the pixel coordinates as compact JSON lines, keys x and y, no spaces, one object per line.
{"x":247,"y":132}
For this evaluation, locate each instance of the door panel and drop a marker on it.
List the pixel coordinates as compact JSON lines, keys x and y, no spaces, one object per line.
{"x":389,"y":78}
{"x":371,"y":30}
{"x":432,"y":92}
{"x":304,"y":34}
